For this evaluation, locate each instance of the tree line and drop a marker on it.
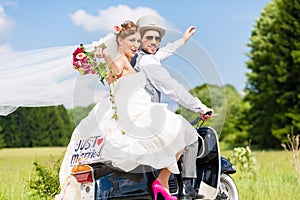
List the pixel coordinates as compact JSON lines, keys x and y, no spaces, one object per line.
{"x":264,"y":116}
{"x":34,"y":127}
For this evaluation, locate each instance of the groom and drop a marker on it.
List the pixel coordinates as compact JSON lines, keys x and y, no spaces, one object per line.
{"x":148,"y":60}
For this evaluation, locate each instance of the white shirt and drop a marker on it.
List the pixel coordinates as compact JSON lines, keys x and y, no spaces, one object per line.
{"x":160,"y":78}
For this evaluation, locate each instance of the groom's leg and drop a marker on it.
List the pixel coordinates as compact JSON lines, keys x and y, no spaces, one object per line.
{"x":189,"y":161}
{"x":189,"y":172}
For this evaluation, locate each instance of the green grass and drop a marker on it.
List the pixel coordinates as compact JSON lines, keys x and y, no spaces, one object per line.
{"x":16,"y":166}
{"x":276,"y":177}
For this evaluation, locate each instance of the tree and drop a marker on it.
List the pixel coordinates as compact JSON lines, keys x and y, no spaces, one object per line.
{"x":2,"y":142}
{"x":213,"y":97}
{"x":227,"y":102}
{"x":40,"y":126}
{"x":235,"y":128}
{"x":273,"y":84}
{"x":80,"y":112}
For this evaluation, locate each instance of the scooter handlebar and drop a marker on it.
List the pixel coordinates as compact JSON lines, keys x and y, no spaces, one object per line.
{"x":195,"y":121}
{"x":198,"y":118}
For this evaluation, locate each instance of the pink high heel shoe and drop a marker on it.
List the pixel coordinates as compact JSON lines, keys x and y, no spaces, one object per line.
{"x":158,"y":188}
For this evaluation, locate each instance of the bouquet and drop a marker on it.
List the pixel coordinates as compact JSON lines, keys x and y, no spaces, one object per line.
{"x":87,"y":63}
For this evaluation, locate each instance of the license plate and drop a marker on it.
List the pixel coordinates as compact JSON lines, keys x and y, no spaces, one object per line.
{"x":87,"y":150}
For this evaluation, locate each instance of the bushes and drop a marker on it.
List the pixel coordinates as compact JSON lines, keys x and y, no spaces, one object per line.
{"x":44,"y":183}
{"x":245,"y":161}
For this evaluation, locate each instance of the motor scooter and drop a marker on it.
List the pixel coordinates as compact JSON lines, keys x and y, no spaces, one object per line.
{"x":100,"y":181}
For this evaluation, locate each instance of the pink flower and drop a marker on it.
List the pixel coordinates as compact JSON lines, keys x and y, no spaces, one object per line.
{"x":80,"y":56}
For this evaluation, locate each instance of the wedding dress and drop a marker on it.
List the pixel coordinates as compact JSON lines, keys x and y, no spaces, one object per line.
{"x":145,"y":133}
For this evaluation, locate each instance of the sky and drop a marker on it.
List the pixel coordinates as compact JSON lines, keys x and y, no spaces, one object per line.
{"x":223,"y":28}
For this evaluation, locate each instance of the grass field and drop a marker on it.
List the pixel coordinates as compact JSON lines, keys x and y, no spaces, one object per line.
{"x":276,"y":178}
{"x":16,"y":167}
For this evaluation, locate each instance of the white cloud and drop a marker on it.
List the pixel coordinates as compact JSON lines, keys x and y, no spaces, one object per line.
{"x":6,"y":24}
{"x":111,"y":16}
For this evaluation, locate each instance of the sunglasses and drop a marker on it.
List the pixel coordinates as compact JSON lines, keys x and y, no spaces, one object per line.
{"x":157,"y":39}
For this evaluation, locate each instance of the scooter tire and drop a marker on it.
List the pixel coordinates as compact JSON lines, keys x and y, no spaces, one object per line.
{"x":228,"y":188}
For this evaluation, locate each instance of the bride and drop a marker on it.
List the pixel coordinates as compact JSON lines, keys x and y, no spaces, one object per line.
{"x":135,"y":131}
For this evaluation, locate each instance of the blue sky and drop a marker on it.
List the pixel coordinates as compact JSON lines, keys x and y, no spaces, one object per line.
{"x":223,"y":27}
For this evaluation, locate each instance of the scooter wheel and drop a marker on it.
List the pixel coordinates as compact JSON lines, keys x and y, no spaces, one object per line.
{"x":228,"y":189}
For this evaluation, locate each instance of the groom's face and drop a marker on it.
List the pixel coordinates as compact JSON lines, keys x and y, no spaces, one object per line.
{"x":151,"y":41}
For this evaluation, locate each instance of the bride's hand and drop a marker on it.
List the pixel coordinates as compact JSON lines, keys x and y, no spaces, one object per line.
{"x":98,"y":52}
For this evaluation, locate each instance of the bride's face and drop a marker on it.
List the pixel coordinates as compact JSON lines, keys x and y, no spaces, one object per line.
{"x":130,"y":44}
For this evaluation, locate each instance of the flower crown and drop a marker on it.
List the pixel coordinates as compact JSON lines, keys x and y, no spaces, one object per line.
{"x":117,"y":29}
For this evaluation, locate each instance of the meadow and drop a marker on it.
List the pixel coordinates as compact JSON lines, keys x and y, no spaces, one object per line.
{"x":16,"y":168}
{"x":275,"y":177}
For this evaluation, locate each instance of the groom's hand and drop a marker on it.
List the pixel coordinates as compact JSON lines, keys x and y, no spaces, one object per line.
{"x":206,"y":116}
{"x":189,"y":33}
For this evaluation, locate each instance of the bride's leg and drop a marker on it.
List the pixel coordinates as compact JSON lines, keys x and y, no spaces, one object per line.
{"x":163,"y":177}
{"x":164,"y":174}
{"x":179,"y":154}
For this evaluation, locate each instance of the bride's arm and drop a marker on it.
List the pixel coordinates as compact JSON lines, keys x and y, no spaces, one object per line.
{"x":116,"y":65}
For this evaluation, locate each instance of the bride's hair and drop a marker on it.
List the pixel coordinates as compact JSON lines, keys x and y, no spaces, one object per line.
{"x":127,"y":28}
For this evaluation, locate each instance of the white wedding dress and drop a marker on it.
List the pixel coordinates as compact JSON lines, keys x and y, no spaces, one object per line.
{"x":145,"y":133}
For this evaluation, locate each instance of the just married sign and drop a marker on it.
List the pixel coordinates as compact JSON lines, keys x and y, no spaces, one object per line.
{"x":87,"y":149}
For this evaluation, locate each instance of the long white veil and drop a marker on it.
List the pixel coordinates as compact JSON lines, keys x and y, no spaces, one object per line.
{"x":42,"y":77}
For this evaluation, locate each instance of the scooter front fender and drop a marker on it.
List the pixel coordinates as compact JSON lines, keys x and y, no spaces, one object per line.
{"x":227,"y":167}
